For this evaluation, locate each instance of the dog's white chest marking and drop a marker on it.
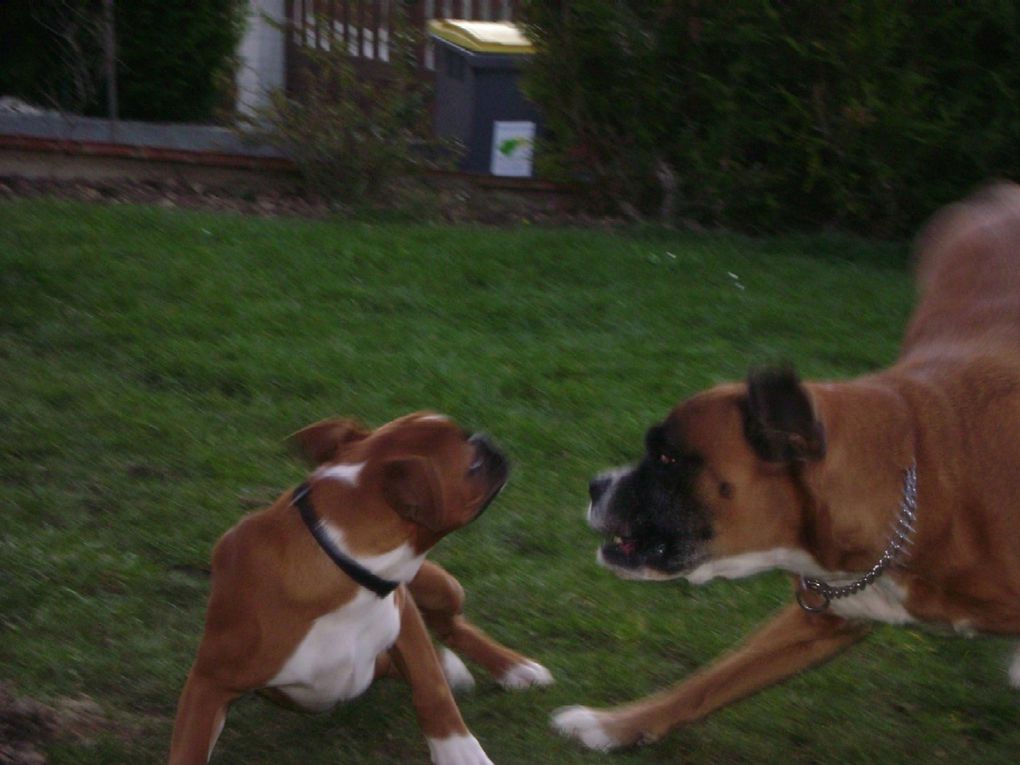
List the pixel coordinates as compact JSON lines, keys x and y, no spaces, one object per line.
{"x":882,"y":601}
{"x":336,"y":659}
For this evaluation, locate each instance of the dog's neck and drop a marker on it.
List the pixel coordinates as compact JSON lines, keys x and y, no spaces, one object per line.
{"x":399,"y":564}
{"x":381,"y":541}
{"x":855,"y":491}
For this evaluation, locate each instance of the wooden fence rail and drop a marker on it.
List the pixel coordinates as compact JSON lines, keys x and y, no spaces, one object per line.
{"x":363,"y":27}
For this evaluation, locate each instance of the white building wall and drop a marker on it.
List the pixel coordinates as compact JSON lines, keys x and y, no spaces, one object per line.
{"x":262,"y":55}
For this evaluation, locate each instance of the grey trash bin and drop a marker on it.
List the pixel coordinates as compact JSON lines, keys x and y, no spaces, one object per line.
{"x":478,"y":100}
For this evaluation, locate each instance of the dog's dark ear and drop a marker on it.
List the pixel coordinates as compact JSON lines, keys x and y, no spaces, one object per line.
{"x":779,"y":419}
{"x":412,"y":488}
{"x":322,"y":441}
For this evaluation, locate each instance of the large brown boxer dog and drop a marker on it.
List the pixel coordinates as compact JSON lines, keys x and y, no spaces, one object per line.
{"x":326,"y":590}
{"x":892,"y":498}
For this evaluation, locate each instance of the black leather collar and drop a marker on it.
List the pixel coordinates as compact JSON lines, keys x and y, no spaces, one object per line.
{"x":353,"y":569}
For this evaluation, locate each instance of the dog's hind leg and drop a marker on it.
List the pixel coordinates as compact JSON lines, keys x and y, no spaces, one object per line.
{"x":794,"y":640}
{"x":440,"y":598}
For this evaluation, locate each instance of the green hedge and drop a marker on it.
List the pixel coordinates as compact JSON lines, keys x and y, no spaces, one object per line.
{"x":174,"y":59}
{"x":766,"y":114}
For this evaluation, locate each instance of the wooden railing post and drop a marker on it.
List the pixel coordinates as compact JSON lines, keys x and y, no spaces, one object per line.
{"x":419,"y":23}
{"x":364,"y":21}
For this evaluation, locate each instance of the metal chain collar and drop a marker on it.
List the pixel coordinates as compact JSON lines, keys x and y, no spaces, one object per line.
{"x":902,"y":531}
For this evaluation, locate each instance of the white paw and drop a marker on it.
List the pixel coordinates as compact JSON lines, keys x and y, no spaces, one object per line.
{"x":525,"y":675}
{"x":1014,"y":670}
{"x":457,"y":674}
{"x":585,"y":725}
{"x":457,"y":750}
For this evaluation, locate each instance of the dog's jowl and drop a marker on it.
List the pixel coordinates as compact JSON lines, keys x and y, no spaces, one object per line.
{"x":894,"y":497}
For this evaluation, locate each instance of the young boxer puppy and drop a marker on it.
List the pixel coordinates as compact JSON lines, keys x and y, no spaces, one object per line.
{"x":329,"y":588}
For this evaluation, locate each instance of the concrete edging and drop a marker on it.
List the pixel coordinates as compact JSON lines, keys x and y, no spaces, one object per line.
{"x":51,"y":145}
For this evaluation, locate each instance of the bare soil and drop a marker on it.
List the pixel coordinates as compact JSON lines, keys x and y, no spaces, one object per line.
{"x":27,"y":726}
{"x":448,"y":199}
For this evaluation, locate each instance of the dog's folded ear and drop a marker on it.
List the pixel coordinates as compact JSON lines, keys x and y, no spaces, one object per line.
{"x":779,"y":418}
{"x":412,"y":488}
{"x":322,"y":441}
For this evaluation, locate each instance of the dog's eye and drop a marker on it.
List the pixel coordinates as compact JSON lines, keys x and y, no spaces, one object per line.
{"x":725,"y":489}
{"x":667,"y":459}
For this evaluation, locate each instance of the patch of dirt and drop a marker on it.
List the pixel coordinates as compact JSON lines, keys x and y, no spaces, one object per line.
{"x":168,"y":194}
{"x":450,"y":199}
{"x":27,"y":726}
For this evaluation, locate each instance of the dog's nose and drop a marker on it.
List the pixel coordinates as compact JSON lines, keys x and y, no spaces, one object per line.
{"x":487,"y":453}
{"x":484,"y":447}
{"x":597,"y":487}
{"x":481,"y":440}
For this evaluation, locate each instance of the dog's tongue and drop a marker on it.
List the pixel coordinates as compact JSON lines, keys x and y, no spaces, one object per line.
{"x":628,"y":546}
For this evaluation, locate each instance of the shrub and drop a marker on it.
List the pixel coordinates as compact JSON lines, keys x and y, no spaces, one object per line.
{"x":353,"y":134}
{"x":52,"y":52}
{"x":767,"y":114}
{"x":171,"y":56}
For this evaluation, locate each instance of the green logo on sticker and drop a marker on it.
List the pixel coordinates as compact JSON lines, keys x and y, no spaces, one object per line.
{"x":511,"y":145}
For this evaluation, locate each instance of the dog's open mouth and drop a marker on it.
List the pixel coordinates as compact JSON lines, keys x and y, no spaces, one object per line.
{"x":652,"y":557}
{"x":490,"y":466}
{"x":622,"y":551}
{"x":495,"y":491}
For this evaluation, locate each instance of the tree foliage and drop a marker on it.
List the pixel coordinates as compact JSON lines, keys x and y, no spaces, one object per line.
{"x":357,"y":135}
{"x":767,"y":114}
{"x":172,"y":57}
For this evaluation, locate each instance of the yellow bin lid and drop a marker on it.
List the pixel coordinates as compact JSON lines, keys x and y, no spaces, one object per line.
{"x":482,"y":36}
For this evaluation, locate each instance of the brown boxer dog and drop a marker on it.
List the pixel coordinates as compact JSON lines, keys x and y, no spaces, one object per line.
{"x":891,"y":498}
{"x":329,"y":588}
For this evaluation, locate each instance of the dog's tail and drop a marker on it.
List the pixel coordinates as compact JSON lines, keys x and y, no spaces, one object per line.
{"x":983,"y":226}
{"x":968,"y":266}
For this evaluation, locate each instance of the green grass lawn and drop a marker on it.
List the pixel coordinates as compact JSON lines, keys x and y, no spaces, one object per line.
{"x":152,"y":362}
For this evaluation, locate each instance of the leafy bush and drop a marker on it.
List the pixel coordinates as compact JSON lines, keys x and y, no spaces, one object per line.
{"x":354,"y":134}
{"x":171,"y":57}
{"x":768,"y":114}
{"x":52,"y":52}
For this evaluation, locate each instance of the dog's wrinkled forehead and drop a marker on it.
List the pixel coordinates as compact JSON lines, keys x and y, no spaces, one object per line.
{"x":347,"y":440}
{"x":706,"y":425}
{"x":665,"y":440}
{"x":423,"y":433}
{"x":424,"y":423}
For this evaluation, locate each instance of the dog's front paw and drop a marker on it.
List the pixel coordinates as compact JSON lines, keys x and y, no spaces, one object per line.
{"x":526,"y":674}
{"x":587,"y":726}
{"x":457,"y":750}
{"x":458,"y":676}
